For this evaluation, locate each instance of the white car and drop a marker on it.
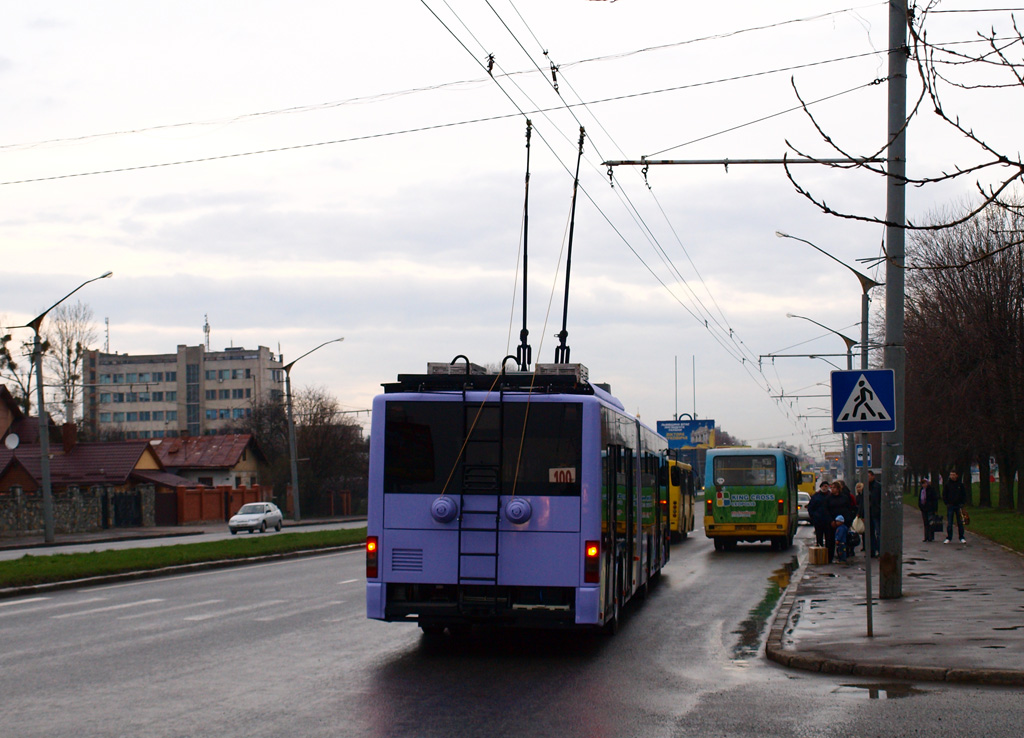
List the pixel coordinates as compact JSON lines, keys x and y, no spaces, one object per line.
{"x":802,"y":500}
{"x":256,"y":516}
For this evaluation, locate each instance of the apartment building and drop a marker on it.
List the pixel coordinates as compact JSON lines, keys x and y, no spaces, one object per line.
{"x":191,"y":392}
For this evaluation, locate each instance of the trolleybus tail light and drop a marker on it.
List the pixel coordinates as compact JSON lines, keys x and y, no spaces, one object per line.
{"x":782,"y":507}
{"x":371,"y":557}
{"x":708,"y":506}
{"x":592,"y":562}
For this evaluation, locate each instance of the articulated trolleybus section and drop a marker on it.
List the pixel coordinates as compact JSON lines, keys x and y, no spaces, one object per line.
{"x":522,"y":499}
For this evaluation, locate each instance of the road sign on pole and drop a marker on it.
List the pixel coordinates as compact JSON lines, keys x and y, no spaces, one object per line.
{"x":863,"y":401}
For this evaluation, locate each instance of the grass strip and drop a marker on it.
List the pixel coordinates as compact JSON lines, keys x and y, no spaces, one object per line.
{"x":997,"y":524}
{"x":30,"y":569}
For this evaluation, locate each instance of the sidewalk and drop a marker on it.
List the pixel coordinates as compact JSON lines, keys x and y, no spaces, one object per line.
{"x":9,"y":543}
{"x":960,"y":619}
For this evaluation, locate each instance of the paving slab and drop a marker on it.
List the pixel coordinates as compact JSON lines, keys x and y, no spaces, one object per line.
{"x":961,"y":616}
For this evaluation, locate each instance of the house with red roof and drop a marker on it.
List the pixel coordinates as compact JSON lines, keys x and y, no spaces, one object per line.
{"x":231,"y":460}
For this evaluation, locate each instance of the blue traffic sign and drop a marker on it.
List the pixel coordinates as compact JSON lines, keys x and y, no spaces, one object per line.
{"x":864,"y":401}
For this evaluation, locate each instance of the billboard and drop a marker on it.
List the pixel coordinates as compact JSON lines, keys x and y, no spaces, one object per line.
{"x":688,"y":433}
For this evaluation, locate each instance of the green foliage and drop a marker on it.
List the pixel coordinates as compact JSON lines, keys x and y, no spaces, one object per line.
{"x":63,"y":567}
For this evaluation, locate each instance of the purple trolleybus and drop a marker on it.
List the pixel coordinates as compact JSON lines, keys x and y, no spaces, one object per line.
{"x":521,"y":499}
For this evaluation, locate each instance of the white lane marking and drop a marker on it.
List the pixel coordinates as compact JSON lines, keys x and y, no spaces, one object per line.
{"x":162,"y":610}
{"x":349,"y":581}
{"x":23,"y":602}
{"x":109,"y":608}
{"x":290,"y":613}
{"x":51,"y":606}
{"x":232,"y":611}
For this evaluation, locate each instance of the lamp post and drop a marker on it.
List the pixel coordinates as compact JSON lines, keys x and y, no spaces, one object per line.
{"x":44,"y":427}
{"x":296,"y":513}
{"x":848,"y":439}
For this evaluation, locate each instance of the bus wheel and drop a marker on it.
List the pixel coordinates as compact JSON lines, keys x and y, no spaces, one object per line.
{"x":719,"y":544}
{"x":432,"y":630}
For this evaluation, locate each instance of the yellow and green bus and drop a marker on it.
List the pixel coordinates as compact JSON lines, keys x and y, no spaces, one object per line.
{"x":750,"y":494}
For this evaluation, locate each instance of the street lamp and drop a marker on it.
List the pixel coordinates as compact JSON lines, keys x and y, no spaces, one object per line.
{"x":291,"y":425}
{"x":44,"y":427}
{"x":850,"y":343}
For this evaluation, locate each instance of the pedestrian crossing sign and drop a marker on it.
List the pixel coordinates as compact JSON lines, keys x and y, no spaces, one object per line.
{"x":864,"y":401}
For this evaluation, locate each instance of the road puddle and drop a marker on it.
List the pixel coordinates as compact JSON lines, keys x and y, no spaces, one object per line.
{"x":750,"y":630}
{"x":884,"y":691}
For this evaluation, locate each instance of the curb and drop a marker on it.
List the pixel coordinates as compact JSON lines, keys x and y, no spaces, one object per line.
{"x":774,"y":650}
{"x":167,"y":571}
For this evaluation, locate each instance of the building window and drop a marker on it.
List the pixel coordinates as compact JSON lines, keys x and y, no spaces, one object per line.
{"x":158,"y":397}
{"x":104,"y":417}
{"x":248,"y":393}
{"x":104,"y":397}
{"x":131,"y":397}
{"x":211,"y":414}
{"x":224,"y":395}
{"x":171,"y":396}
{"x":172,"y":414}
{"x":118,"y":379}
{"x":237,"y":394}
{"x":132,"y":378}
{"x":104,"y":379}
{"x":144,"y":416}
{"x":143,"y":397}
{"x":224,"y":413}
{"x":192,"y":394}
{"x":211,"y":374}
{"x":143,"y":434}
{"x":211,"y":394}
{"x":118,"y":396}
{"x":144,"y":377}
{"x":238,"y":412}
{"x":170,"y":376}
{"x":131,"y":434}
{"x":158,"y":376}
{"x":158,"y":434}
{"x":118,"y":417}
{"x":158,"y":415}
{"x":132,"y":417}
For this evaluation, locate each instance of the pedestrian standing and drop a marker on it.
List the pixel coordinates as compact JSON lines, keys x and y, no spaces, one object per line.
{"x":954,"y":494}
{"x":818,"y":513}
{"x":875,"y":511}
{"x":928,"y":503}
{"x":838,"y":503}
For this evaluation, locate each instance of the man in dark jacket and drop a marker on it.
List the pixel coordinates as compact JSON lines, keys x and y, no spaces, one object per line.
{"x":954,"y":494}
{"x":838,"y":503}
{"x":817,"y":512}
{"x":928,"y":503}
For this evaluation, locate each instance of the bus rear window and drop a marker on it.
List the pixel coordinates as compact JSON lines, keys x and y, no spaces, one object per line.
{"x":745,"y":471}
{"x":540,"y":447}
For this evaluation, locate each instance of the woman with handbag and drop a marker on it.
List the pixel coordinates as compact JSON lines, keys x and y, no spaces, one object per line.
{"x":928,"y":503}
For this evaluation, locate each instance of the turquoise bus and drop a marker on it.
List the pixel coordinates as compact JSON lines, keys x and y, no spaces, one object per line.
{"x":750,"y":494}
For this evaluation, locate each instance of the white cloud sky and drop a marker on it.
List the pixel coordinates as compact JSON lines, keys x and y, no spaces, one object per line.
{"x":407,"y":244}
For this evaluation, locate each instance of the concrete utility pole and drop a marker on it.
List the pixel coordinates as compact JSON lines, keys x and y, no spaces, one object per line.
{"x":890,"y":566}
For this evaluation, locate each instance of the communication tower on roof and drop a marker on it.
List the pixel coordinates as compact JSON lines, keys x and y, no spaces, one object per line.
{"x":206,"y":330}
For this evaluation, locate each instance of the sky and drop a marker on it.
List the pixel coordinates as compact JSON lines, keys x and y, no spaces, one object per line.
{"x":297,"y":172}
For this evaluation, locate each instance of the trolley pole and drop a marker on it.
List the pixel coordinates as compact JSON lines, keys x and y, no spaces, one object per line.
{"x":890,"y":562}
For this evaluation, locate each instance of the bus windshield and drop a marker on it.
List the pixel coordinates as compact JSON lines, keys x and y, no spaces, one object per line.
{"x":745,"y":471}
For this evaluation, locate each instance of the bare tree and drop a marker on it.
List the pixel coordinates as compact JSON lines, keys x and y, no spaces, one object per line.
{"x":70,"y":333}
{"x":16,"y":370}
{"x":965,"y":345}
{"x":991,"y":62}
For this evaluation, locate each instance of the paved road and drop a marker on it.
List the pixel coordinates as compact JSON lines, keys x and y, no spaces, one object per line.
{"x":284,"y":649}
